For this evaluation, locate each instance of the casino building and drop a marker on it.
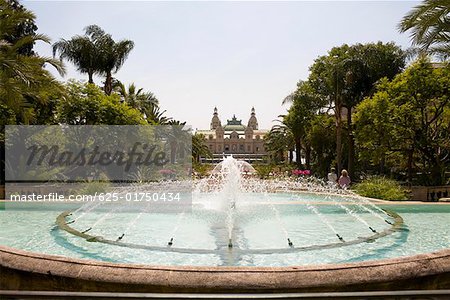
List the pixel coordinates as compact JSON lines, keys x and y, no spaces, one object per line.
{"x":243,"y":142}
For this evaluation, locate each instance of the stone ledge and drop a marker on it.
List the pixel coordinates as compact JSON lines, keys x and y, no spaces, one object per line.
{"x":32,"y":271}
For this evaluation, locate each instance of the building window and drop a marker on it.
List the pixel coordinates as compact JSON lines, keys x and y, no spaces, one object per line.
{"x":257,"y":149}
{"x":233,"y":147}
{"x":257,"y":137}
{"x":248,"y":148}
{"x":241,"y":148}
{"x":210,"y":136}
{"x":227,"y":148}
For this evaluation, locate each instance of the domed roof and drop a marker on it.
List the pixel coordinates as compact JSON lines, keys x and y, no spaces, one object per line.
{"x":234,"y":127}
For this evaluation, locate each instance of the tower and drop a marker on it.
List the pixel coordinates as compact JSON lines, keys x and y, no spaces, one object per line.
{"x":253,"y":122}
{"x":215,"y":121}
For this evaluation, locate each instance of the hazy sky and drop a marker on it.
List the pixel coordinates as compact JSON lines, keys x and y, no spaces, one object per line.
{"x":233,"y":55}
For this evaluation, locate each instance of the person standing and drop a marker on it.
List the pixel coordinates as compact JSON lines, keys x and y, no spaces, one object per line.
{"x":344,"y":180}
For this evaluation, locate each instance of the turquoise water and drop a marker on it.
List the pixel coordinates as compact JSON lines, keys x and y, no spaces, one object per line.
{"x":260,"y":223}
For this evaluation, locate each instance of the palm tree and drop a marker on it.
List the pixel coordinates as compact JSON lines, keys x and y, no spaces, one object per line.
{"x":199,"y":149}
{"x":278,"y":141}
{"x":177,"y":137}
{"x":23,"y":80}
{"x":136,"y":98}
{"x":111,"y":54}
{"x":429,"y":24}
{"x":155,"y":116}
{"x":81,"y":51}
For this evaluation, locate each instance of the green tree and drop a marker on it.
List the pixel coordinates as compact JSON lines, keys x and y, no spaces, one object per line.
{"x":26,"y":88}
{"x":86,"y":104}
{"x":346,"y":76}
{"x":429,"y":27}
{"x":278,"y":142}
{"x":111,"y":54}
{"x":82,"y":52}
{"x":95,"y":52}
{"x":322,"y":137}
{"x":155,"y":116}
{"x":136,"y":98}
{"x":199,"y":149}
{"x":24,"y":82}
{"x":26,"y":27}
{"x":406,"y":122}
{"x":305,"y":104}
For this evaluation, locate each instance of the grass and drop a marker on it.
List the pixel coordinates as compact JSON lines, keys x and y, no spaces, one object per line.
{"x":381,"y":188}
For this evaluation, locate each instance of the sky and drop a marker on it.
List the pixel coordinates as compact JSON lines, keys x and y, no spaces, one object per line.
{"x":195,"y":56}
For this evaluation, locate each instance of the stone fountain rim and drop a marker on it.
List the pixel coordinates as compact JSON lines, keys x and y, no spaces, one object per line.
{"x":444,"y":253}
{"x":30,"y":271}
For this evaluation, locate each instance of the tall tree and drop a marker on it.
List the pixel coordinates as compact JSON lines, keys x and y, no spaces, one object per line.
{"x":305,"y":104}
{"x":24,"y":82}
{"x":111,"y":54}
{"x":429,"y":27}
{"x":406,"y":122}
{"x":346,"y":76}
{"x":25,"y":27}
{"x":82,"y":52}
{"x":26,"y":88}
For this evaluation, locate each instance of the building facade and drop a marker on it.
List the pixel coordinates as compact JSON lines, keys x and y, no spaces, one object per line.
{"x":234,"y":138}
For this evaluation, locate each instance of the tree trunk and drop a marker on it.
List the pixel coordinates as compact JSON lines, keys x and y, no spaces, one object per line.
{"x":308,"y":157}
{"x":351,"y":144}
{"x":410,"y":163}
{"x":338,"y":139}
{"x":291,"y":156}
{"x":338,"y":116}
{"x":173,"y":151}
{"x":91,"y":76}
{"x":108,"y":83}
{"x":298,"y":156}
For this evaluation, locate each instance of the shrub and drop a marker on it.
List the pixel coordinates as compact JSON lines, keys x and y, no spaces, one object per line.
{"x":381,"y":188}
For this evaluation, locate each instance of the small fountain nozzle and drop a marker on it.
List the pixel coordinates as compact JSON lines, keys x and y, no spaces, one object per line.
{"x":340,"y":238}
{"x":290,"y":243}
{"x":230,"y":243}
{"x":70,"y":222}
{"x":170,"y":243}
{"x":388,"y":222}
{"x":87,"y":230}
{"x":373,"y":230}
{"x":120,"y":237}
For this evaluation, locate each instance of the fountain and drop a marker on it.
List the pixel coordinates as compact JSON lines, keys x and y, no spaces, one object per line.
{"x":229,"y":193}
{"x":238,"y":222}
